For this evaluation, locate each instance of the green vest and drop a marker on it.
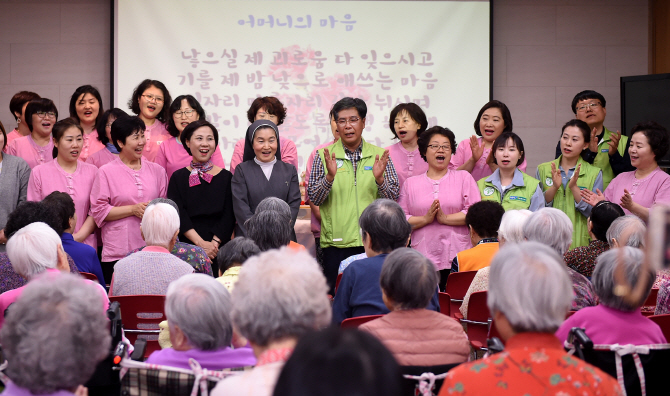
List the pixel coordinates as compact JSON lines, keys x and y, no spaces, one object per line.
{"x":350,"y":195}
{"x":516,"y":197}
{"x":565,"y":202}
{"x":602,"y":159}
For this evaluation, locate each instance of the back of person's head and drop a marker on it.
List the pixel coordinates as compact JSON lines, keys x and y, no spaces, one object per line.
{"x":511,"y":226}
{"x":55,"y":334}
{"x":63,"y":204}
{"x":530,"y":285}
{"x":269,"y":229}
{"x":280,"y":294}
{"x":384,"y":222}
{"x":159,"y":224}
{"x":200,"y":307}
{"x":165,"y":201}
{"x":627,"y":261}
{"x":551,"y":227}
{"x":408,"y":279}
{"x":33,"y":249}
{"x":32,"y":212}
{"x":236,"y":252}
{"x":628,"y":230}
{"x":602,"y":216}
{"x":276,"y":204}
{"x":484,"y":218}
{"x":335,"y":362}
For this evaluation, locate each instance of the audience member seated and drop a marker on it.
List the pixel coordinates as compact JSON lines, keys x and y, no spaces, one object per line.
{"x":552,"y":227}
{"x":84,"y":255}
{"x":335,"y":362}
{"x":415,"y":335}
{"x":198,"y":309}
{"x":151,"y":270}
{"x":628,"y":230}
{"x":231,"y":257}
{"x":583,"y":258}
{"x":617,"y":320}
{"x":530,"y":295}
{"x":269,"y":229}
{"x":510,"y":231}
{"x":280,"y":296}
{"x":54,"y":337}
{"x":384,"y":228}
{"x":345,"y":263}
{"x":279,"y":205}
{"x":483,"y":223}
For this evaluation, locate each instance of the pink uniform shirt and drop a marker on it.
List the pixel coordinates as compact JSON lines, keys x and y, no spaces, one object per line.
{"x":118,"y":185}
{"x":289,"y":153}
{"x":481,"y":169}
{"x":172,"y":156}
{"x":155,"y":134}
{"x":15,"y":134}
{"x":315,"y":223}
{"x":101,"y":158}
{"x":406,"y":163}
{"x":26,"y":148}
{"x":50,"y":177}
{"x":653,"y":189}
{"x":91,"y":145}
{"x":457,"y":190}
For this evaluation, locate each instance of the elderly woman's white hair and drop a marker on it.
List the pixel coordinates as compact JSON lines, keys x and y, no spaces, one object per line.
{"x":628,"y":227}
{"x":530,"y":285}
{"x":33,"y":249}
{"x":551,"y":227}
{"x":200,"y":306}
{"x":159,"y":224}
{"x":511,"y":226}
{"x":280,"y":294}
{"x":630,"y":260}
{"x":55,"y":334}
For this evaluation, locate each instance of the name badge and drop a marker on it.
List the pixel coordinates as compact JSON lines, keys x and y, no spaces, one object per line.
{"x":604,"y":150}
{"x":367,"y":167}
{"x":339,"y":162}
{"x":516,"y":198}
{"x":488,"y":191}
{"x":549,"y":181}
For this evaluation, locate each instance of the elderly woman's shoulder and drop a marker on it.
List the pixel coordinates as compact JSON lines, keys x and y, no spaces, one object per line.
{"x":9,"y":160}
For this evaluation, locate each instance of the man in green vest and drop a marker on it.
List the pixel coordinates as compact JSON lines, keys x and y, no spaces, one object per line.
{"x":607,"y":150}
{"x":346,"y":177}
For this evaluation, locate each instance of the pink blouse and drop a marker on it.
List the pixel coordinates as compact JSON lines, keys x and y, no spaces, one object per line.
{"x":100,"y":158}
{"x":50,"y":177}
{"x":406,"y":163}
{"x":172,"y":156}
{"x":289,"y":153}
{"x":91,"y":145}
{"x":481,"y":169}
{"x":26,"y":148}
{"x":155,"y":134}
{"x":653,"y":189}
{"x":315,"y":224}
{"x":457,"y":190}
{"x":15,"y":134}
{"x":118,"y":185}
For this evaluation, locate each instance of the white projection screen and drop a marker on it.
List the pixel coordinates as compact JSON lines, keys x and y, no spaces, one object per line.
{"x":309,"y":54}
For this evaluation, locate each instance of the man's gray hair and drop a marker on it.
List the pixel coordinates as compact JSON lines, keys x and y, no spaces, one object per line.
{"x":280,"y":294}
{"x":408,"y":278}
{"x":511,"y":225}
{"x":201,"y":307}
{"x":630,"y":224}
{"x":551,"y":227}
{"x":33,"y":249}
{"x":159,"y":223}
{"x":55,"y":334}
{"x":630,"y":259}
{"x":530,"y":285}
{"x":276,"y":204}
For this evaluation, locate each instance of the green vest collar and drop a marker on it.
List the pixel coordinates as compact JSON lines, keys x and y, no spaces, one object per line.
{"x":338,"y":149}
{"x":580,"y":161}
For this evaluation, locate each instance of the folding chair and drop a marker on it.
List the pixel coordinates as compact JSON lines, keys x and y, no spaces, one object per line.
{"x":141,"y":315}
{"x":337,"y":283}
{"x":457,"y":285}
{"x":89,"y":276}
{"x":664,"y":322}
{"x":445,"y":303}
{"x":650,"y":303}
{"x":418,"y":378}
{"x":352,"y":323}
{"x":478,"y":321}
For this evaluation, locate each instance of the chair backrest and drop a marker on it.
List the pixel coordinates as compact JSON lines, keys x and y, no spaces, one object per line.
{"x":478,"y":320}
{"x":140,"y":316}
{"x":350,"y":323}
{"x":651,"y":300}
{"x":337,"y":281}
{"x":457,"y":285}
{"x":89,"y":276}
{"x":410,"y":385}
{"x":445,"y":303}
{"x":664,"y":322}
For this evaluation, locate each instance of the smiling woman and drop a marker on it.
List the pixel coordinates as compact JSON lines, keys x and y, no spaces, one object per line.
{"x":151,"y":101}
{"x":409,"y":122}
{"x":36,"y":148}
{"x":86,"y":108}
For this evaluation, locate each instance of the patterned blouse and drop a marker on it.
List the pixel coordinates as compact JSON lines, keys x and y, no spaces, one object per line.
{"x":583,"y":258}
{"x":192,"y":254}
{"x":585,"y":296}
{"x":663,"y":299}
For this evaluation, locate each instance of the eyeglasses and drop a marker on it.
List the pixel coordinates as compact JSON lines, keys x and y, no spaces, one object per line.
{"x":151,"y":98}
{"x":436,"y":147}
{"x":185,"y":112}
{"x":585,"y":106}
{"x":343,"y":121}
{"x":43,"y":114}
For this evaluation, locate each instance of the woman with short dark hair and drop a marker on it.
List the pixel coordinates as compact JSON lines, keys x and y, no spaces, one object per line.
{"x":36,"y":148}
{"x":102,"y":157}
{"x":17,"y":106}
{"x":150,"y":102}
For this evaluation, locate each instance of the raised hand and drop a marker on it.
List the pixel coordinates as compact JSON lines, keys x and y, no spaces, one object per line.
{"x":592,"y":198}
{"x":380,"y":166}
{"x":573,"y":181}
{"x":477,"y":150}
{"x":627,"y":201}
{"x":331,"y":165}
{"x":614,"y":142}
{"x":432,"y":212}
{"x":556,"y":176}
{"x":593,"y":144}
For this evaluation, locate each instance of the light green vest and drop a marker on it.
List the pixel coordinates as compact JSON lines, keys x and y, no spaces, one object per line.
{"x":602,"y":159}
{"x":350,"y":195}
{"x":565,"y":202}
{"x":515,"y":198}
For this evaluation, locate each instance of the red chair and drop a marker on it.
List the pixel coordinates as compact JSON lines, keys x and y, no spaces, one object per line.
{"x":478,"y":321}
{"x":650,"y":302}
{"x":664,"y":322}
{"x":445,"y":303}
{"x":352,"y":323}
{"x":337,"y":283}
{"x":140,"y":316}
{"x":89,"y":276}
{"x":457,"y":285}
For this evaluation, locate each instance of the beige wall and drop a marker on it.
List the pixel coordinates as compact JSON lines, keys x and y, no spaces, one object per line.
{"x":544,"y":52}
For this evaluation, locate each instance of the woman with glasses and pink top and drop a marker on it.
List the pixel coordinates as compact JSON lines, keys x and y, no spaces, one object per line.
{"x":407,"y":122}
{"x":36,"y":148}
{"x":436,"y":202}
{"x":150,"y":102}
{"x":86,"y":108}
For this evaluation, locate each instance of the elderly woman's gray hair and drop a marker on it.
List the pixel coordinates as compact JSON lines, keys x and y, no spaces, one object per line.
{"x":276,"y":204}
{"x":33,"y":249}
{"x":511,"y":226}
{"x":159,"y":224}
{"x":269,"y":229}
{"x":408,"y":279}
{"x":530,"y":285}
{"x":628,"y":230}
{"x":200,"y":306}
{"x":385,"y":223}
{"x":280,"y":294}
{"x":55,"y":334}
{"x":166,"y":201}
{"x":236,"y":252}
{"x":630,"y":260}
{"x":551,"y":227}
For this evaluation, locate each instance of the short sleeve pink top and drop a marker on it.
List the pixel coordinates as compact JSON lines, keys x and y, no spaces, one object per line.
{"x":91,"y":145}
{"x":15,"y":134}
{"x":172,"y":156}
{"x":481,"y":169}
{"x":26,"y":148}
{"x":155,"y":134}
{"x":653,"y":189}
{"x":406,"y":163}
